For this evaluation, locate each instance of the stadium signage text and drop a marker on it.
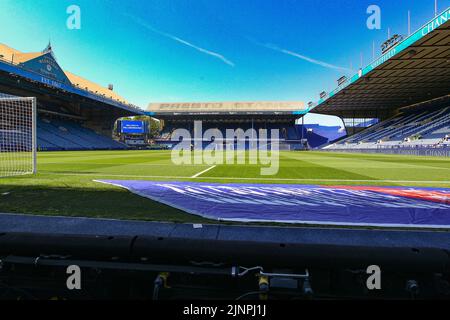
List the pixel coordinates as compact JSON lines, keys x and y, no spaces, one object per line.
{"x":228,"y":107}
{"x":436,"y":23}
{"x":384,"y":58}
{"x":46,"y":66}
{"x":50,"y":82}
{"x":49,"y":65}
{"x":425,"y":30}
{"x":208,"y":148}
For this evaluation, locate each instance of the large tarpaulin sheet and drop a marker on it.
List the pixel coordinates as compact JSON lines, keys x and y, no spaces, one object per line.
{"x":304,"y":204}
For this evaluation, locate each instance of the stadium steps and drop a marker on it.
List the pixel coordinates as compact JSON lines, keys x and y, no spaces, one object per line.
{"x":49,"y":134}
{"x":72,"y":137}
{"x":432,"y":125}
{"x":89,"y":141}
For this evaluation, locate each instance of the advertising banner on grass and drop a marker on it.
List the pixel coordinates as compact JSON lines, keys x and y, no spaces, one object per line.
{"x":302,"y":204}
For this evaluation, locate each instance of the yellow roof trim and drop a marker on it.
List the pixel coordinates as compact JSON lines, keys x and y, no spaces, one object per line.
{"x":7,"y":52}
{"x":85,"y":84}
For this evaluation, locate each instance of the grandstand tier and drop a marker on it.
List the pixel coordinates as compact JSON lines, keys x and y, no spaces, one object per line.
{"x":281,"y":116}
{"x":73,"y":113}
{"x":423,"y":125}
{"x":402,"y":99}
{"x":413,"y":71}
{"x":63,"y":134}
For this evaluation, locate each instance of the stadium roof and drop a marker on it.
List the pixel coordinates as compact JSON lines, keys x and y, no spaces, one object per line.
{"x":45,"y":65}
{"x":415,"y":70}
{"x":193,"y":108}
{"x":11,"y":54}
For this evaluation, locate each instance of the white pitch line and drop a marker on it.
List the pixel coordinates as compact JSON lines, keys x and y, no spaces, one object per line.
{"x":242,"y":178}
{"x":204,"y":171}
{"x":130,"y":164}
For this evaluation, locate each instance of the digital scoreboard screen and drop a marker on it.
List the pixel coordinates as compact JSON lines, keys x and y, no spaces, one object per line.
{"x":132,"y":127}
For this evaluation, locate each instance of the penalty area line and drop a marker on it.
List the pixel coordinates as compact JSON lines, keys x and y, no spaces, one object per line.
{"x":204,"y":171}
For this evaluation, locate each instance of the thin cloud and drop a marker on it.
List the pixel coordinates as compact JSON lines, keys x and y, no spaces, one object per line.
{"x":300,"y":56}
{"x":182,"y":41}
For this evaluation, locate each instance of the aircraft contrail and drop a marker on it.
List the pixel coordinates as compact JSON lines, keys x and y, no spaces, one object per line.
{"x":182,"y":41}
{"x":300,"y":56}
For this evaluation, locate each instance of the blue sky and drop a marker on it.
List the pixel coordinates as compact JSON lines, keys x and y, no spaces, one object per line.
{"x":210,"y":50}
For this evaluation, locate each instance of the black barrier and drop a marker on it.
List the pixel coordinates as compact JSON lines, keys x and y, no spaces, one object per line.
{"x":180,"y":251}
{"x":40,"y":266}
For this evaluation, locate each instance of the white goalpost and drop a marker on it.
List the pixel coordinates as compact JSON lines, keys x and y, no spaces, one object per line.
{"x":18,"y":142}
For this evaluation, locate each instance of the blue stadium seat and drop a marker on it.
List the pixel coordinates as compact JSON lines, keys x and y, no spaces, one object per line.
{"x":57,"y":134}
{"x":428,"y":127}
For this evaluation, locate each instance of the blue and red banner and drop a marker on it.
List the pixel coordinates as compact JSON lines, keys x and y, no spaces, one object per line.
{"x":303,"y":204}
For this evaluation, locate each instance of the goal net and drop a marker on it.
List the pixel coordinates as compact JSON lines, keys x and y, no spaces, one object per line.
{"x":17,"y":135}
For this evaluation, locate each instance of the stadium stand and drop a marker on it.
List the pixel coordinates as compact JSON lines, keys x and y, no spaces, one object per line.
{"x":405,"y":90}
{"x":58,"y":134}
{"x":290,"y":135}
{"x":332,"y":133}
{"x":423,"y":127}
{"x":233,"y":115}
{"x":313,"y":135}
{"x":14,"y":140}
{"x":27,"y":61}
{"x":73,"y":113}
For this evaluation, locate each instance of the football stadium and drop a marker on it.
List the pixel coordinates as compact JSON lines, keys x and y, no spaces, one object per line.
{"x":228,"y":199}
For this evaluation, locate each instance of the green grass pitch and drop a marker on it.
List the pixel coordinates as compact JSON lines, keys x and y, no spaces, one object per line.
{"x":64,"y":185}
